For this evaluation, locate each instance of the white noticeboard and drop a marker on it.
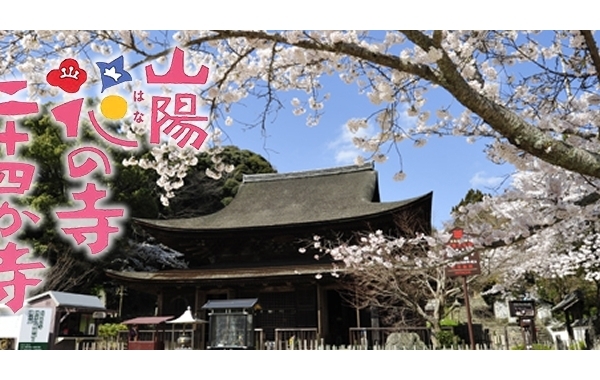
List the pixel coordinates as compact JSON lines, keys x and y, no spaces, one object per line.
{"x":10,"y":326}
{"x":35,"y":329}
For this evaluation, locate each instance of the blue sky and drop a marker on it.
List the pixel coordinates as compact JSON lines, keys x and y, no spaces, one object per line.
{"x":448,"y":166}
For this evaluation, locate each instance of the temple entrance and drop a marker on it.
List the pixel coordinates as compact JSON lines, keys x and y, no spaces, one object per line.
{"x":341,"y":318}
{"x":292,"y":309}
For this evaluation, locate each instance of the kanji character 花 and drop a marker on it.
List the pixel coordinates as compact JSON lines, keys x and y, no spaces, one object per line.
{"x":68,"y":113}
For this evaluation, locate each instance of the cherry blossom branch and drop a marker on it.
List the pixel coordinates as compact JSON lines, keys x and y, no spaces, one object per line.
{"x":340,"y":47}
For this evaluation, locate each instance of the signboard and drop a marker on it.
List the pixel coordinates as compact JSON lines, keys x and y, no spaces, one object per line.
{"x":468,"y":265}
{"x":99,"y":315}
{"x":35,"y":329}
{"x":521,"y":309}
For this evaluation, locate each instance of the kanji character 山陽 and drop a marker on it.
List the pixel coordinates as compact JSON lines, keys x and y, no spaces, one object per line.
{"x":180,"y":121}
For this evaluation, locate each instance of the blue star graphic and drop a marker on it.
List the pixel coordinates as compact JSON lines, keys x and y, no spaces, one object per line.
{"x":113,"y":73}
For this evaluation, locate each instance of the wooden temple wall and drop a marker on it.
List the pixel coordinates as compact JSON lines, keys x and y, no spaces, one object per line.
{"x":285,"y":306}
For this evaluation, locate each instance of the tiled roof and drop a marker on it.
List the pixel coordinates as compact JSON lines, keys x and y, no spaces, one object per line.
{"x":294,"y":199}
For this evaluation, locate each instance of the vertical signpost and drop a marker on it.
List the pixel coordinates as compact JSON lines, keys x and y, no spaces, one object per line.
{"x":525,"y":311}
{"x":35,"y":329}
{"x":468,"y":265}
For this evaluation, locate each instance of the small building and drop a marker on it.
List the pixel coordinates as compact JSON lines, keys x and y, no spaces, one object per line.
{"x":74,"y":317}
{"x":250,"y":249}
{"x":63,"y":319}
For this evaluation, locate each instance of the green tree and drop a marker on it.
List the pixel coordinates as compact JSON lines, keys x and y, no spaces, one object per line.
{"x":135,"y":188}
{"x":472,"y":196}
{"x":222,"y":191}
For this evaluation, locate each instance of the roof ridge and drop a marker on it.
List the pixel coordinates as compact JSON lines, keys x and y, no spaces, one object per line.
{"x":308,"y":173}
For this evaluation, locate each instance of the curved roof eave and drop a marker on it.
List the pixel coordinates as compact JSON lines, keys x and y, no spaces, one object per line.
{"x":210,"y":224}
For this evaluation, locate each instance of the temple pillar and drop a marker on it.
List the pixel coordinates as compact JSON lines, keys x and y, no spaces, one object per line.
{"x":200,"y":300}
{"x":159,"y":303}
{"x":322,"y":315}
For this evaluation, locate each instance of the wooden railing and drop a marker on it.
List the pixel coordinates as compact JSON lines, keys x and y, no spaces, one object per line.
{"x":296,"y":339}
{"x":104,"y":345}
{"x":361,"y":338}
{"x":259,"y":339}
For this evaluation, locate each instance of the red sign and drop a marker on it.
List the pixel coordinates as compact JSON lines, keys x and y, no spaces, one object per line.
{"x":468,"y":265}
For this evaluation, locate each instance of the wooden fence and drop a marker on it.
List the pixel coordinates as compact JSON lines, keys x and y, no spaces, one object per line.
{"x":104,"y":345}
{"x":296,"y":339}
{"x":407,"y":338}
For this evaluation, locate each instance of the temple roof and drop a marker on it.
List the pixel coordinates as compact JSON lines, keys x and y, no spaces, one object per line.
{"x":74,"y":300}
{"x":294,"y":199}
{"x":194,"y":275}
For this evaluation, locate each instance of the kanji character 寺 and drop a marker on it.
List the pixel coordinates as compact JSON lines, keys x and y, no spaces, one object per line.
{"x":9,"y":255}
{"x":102,"y":230}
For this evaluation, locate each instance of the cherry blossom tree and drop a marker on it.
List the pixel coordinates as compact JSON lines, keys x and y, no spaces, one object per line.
{"x":532,"y":93}
{"x":533,"y":96}
{"x":403,"y":277}
{"x":546,"y":225}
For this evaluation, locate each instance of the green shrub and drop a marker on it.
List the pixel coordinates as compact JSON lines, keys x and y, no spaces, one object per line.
{"x":577,"y":346}
{"x":446,"y":338}
{"x":110,"y":330}
{"x":449,"y":322}
{"x":535,"y":346}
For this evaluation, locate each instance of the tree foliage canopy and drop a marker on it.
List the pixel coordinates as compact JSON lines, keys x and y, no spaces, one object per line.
{"x":533,"y":96}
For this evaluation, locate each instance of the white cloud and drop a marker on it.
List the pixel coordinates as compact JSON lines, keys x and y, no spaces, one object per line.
{"x":344,"y":149}
{"x":481,"y":180}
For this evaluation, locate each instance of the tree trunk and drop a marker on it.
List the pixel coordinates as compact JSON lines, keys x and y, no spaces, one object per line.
{"x":436,"y":328}
{"x":435,"y":321}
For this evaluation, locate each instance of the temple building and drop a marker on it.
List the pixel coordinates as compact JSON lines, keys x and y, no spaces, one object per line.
{"x":250,"y":248}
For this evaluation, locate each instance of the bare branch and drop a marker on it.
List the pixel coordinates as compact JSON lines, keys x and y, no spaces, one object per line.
{"x":593,"y":49}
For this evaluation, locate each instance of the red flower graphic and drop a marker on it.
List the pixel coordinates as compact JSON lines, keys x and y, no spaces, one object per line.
{"x":69,"y":76}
